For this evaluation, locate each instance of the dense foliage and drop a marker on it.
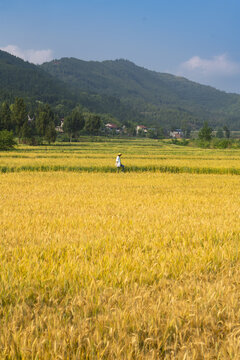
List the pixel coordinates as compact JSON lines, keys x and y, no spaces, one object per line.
{"x":6,"y":140}
{"x":22,"y":79}
{"x":73,"y":123}
{"x":16,"y":118}
{"x":205,"y":132}
{"x":44,"y":121}
{"x":116,"y":89}
{"x":161,"y":98}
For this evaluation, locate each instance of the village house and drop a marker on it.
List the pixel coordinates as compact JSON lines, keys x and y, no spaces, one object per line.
{"x":142,"y":128}
{"x":59,"y":128}
{"x":176,"y":134}
{"x":112,"y":128}
{"x":30,"y":119}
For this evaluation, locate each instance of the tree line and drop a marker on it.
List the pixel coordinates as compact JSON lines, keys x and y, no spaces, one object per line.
{"x":38,"y":125}
{"x":41,"y":125}
{"x":206,"y":132}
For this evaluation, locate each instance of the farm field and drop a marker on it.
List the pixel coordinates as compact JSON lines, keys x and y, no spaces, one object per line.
{"x":138,"y":155}
{"x":136,"y":265}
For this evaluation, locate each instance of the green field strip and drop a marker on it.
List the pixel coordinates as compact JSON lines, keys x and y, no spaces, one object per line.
{"x":111,"y":169}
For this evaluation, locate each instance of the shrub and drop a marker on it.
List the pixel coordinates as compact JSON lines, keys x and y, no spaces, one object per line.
{"x":203,"y":144}
{"x":205,"y":133}
{"x":182,"y":142}
{"x":6,"y":140}
{"x":221,"y":143}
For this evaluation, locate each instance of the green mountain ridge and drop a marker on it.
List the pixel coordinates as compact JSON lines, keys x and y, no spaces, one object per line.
{"x":161,"y":97}
{"x":119,"y":88}
{"x":19,"y":78}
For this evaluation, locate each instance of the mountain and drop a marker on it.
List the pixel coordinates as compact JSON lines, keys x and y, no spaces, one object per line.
{"x":20,"y":78}
{"x":34,"y":84}
{"x":119,"y":88}
{"x":159,"y":97}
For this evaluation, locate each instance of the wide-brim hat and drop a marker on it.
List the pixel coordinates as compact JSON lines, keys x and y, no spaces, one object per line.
{"x":119,"y":154}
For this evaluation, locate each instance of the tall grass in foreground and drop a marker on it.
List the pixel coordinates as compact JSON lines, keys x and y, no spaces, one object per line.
{"x":119,"y":266}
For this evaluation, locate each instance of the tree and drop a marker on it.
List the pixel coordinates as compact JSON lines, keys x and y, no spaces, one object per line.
{"x":130,"y":128}
{"x":152,"y":134}
{"x":50,"y":133}
{"x":6,"y":140}
{"x":19,"y":115}
{"x":160,"y":133}
{"x":219,"y":133}
{"x":45,"y":121}
{"x":26,"y":131}
{"x":205,"y":133}
{"x":73,"y":123}
{"x":5,"y":117}
{"x":227,"y":131}
{"x":93,"y":124}
{"x":186,"y":129}
{"x":141,"y":133}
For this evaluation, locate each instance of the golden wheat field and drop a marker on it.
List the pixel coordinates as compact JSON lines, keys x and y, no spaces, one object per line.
{"x":135,"y":265}
{"x":137,"y":153}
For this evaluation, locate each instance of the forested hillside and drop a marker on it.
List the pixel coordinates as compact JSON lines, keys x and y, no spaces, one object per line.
{"x":19,"y":78}
{"x":161,"y":98}
{"x":118,"y":89}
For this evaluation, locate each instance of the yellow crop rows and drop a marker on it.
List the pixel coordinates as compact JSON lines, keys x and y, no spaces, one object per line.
{"x":119,"y":266}
{"x":144,"y":155}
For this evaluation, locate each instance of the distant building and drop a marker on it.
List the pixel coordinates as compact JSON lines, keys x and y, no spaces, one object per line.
{"x":176,"y":134}
{"x":141,"y":128}
{"x":112,"y":128}
{"x":30,"y":119}
{"x":59,"y":128}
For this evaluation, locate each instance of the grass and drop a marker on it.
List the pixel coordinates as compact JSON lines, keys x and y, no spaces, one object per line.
{"x":111,"y":169}
{"x":98,"y":265}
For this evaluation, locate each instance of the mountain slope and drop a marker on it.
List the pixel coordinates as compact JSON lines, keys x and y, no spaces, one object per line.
{"x":120,"y":88}
{"x":154,"y":94}
{"x":20,"y":78}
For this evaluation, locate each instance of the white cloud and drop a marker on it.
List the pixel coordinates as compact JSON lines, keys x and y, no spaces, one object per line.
{"x":219,"y":65}
{"x":33,"y":56}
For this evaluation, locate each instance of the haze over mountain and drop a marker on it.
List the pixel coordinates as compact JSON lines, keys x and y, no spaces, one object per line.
{"x":119,"y":88}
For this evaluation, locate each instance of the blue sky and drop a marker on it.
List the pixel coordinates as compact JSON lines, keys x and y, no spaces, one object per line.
{"x":191,"y":38}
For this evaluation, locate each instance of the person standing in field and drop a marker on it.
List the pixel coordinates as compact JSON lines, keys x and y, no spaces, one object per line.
{"x":119,"y":164}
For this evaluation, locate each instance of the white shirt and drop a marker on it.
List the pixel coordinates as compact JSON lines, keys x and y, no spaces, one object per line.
{"x":118,"y":161}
